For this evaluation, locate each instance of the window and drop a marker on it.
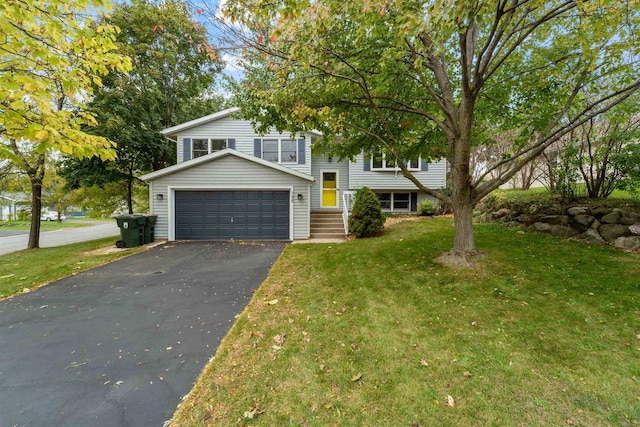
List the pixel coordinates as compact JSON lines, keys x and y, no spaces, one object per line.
{"x":385,"y":200}
{"x":400,"y":201}
{"x":218,"y":144}
{"x":383,"y":161}
{"x":289,"y":152}
{"x":204,"y":146}
{"x":395,"y":201}
{"x":280,"y":150}
{"x":200,"y":148}
{"x":270,"y":150}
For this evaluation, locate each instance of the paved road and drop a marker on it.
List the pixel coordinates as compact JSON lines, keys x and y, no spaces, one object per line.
{"x":60,"y":237}
{"x":120,"y":345}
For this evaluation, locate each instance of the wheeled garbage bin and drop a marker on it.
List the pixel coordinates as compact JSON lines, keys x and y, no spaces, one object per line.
{"x":131,"y":230}
{"x":149,"y":228}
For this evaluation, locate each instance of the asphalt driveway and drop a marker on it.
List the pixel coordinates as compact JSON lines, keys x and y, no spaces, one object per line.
{"x":121,"y":344}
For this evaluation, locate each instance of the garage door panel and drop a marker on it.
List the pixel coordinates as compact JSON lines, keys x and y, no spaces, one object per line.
{"x":224,"y":215}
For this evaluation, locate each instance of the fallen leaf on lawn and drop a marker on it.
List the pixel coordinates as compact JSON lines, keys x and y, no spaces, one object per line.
{"x":424,"y":362}
{"x":272,"y":302}
{"x":638,"y":336}
{"x":437,"y":402}
{"x":466,"y":374}
{"x":450,"y":402}
{"x":357,"y":377}
{"x":279,"y":339}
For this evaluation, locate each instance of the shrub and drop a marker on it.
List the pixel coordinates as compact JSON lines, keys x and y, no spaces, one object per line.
{"x":366,"y":216}
{"x":426,"y":208}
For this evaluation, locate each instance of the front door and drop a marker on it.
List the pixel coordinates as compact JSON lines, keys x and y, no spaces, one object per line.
{"x":330,"y":189}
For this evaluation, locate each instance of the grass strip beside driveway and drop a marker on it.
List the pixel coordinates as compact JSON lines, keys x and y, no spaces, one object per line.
{"x":44,"y":225}
{"x":372,"y":332}
{"x":31,"y":268}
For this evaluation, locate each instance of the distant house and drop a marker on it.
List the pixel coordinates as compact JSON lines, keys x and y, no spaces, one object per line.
{"x":11,"y":205}
{"x":231,"y":183}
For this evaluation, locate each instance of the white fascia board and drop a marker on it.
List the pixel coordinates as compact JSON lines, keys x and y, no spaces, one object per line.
{"x":219,"y":154}
{"x":174,"y":130}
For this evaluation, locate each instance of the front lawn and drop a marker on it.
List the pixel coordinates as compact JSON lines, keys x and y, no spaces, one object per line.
{"x":372,"y":332}
{"x":30,"y":268}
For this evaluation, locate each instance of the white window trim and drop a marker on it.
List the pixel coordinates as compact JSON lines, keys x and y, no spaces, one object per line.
{"x":295,"y":142}
{"x":226,"y":145}
{"x":391,"y":168}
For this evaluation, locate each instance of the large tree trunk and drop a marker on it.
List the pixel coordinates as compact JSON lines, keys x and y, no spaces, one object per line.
{"x":463,"y":242}
{"x":36,"y":177}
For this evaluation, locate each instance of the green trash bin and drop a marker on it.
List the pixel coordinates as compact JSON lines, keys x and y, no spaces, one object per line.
{"x":149,"y":228}
{"x":131,"y":230}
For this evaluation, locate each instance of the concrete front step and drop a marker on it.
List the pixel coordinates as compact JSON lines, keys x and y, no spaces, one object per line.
{"x":330,"y":230}
{"x":327,"y":224}
{"x":327,"y":235}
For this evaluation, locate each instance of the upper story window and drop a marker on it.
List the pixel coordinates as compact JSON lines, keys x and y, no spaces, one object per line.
{"x":280,"y":150}
{"x":383,"y":161}
{"x":203,"y":146}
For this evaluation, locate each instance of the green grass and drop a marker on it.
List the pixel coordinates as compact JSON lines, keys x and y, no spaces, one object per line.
{"x":618,"y":197}
{"x":44,"y":225}
{"x":541,"y":332}
{"x":31,"y":268}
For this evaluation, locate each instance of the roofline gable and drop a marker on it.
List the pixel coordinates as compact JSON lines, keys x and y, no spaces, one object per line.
{"x":174,"y":130}
{"x":220,"y":154}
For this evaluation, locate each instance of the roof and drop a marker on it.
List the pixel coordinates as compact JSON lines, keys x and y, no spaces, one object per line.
{"x":174,"y":130}
{"x":220,"y":154}
{"x":202,"y":120}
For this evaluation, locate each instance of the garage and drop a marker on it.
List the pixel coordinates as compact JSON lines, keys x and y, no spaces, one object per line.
{"x":232,"y":215}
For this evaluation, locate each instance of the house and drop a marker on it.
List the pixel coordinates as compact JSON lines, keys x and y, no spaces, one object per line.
{"x":231,"y":183}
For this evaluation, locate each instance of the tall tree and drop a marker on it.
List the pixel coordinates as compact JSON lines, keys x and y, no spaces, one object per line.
{"x":174,"y":70}
{"x":52,"y":55}
{"x":436,"y":78}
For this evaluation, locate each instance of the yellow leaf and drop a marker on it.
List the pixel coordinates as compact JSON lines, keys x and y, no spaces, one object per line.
{"x":41,"y":135}
{"x":272,"y":302}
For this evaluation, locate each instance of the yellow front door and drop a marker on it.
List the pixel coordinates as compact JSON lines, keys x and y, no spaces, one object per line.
{"x":329,"y":189}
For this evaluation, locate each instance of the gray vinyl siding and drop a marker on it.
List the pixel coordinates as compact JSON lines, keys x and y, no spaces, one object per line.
{"x":434,"y":178}
{"x":242,"y":131}
{"x":319,"y":164}
{"x":229,"y":173}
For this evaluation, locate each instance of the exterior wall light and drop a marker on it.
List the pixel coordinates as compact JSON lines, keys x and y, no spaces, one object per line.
{"x":299,"y":196}
{"x":160,"y":196}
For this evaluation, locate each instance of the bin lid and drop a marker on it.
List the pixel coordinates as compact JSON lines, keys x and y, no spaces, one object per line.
{"x":129,"y":216}
{"x":151,"y":218}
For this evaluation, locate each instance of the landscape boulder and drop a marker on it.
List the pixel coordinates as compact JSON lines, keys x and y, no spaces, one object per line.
{"x":556,"y":219}
{"x":635,"y":229}
{"x":629,"y":218}
{"x":631,"y":243}
{"x":612,"y":231}
{"x":582,"y":222}
{"x":541,"y":227}
{"x":500,"y":213}
{"x":611,"y":218}
{"x":578,"y":210}
{"x":592,"y":237}
{"x":600,"y":211}
{"x":562,"y":231}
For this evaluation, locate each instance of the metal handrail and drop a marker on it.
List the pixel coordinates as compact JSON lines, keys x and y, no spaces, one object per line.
{"x":348,"y":197}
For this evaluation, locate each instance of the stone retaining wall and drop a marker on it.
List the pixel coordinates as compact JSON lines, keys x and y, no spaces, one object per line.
{"x":594,"y":225}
